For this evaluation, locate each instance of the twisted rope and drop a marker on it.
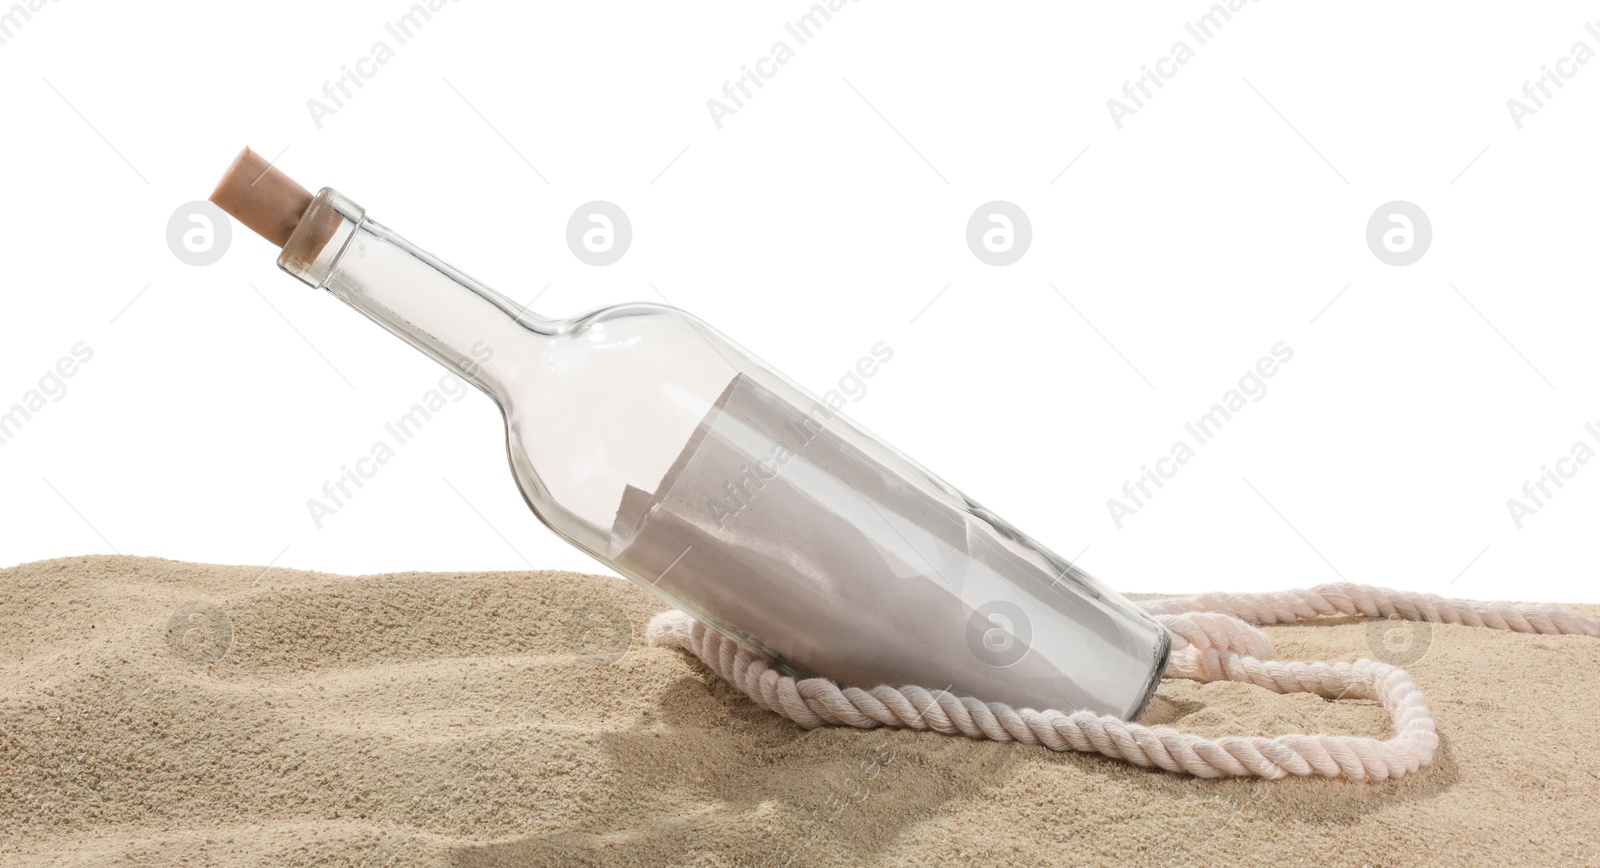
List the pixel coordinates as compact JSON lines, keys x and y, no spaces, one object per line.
{"x":1213,"y":640}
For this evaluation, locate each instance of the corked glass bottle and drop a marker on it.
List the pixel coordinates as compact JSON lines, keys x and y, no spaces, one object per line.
{"x":646,"y":438}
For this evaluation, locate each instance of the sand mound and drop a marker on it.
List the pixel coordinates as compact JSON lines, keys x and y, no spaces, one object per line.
{"x":155,"y":712}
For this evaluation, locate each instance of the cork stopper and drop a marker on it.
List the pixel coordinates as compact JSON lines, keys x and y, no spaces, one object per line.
{"x":256,"y":194}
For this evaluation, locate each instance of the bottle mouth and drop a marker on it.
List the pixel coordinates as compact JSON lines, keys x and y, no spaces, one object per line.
{"x":320,"y":238}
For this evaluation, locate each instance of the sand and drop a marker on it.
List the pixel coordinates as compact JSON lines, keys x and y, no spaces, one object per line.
{"x":518,"y":719}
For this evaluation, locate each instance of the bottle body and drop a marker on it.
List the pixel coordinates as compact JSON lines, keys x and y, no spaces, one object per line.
{"x":649,"y":440}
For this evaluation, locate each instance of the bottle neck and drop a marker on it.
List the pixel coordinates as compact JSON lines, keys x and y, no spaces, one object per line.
{"x":462,"y":324}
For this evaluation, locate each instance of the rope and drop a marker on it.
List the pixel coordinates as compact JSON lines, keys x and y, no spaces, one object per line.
{"x":1213,"y":640}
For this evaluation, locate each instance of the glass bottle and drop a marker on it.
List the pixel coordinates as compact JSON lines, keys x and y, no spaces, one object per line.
{"x":646,"y":438}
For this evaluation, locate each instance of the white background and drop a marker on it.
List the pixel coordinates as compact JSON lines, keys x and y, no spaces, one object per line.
{"x":823,"y":217}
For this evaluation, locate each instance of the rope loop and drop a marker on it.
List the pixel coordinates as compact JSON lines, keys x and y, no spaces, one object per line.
{"x":1213,"y":640}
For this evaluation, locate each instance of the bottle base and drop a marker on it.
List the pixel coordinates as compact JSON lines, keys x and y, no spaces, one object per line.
{"x":1162,"y":658}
